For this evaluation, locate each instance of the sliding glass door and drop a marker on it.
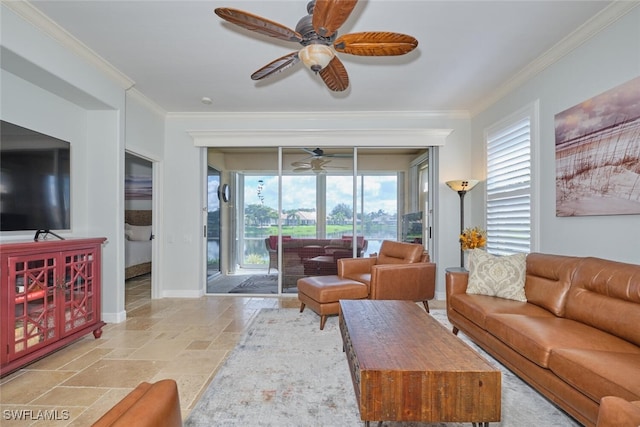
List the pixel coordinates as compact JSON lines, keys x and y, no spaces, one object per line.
{"x":213,"y":222}
{"x":378,"y":205}
{"x":293,"y":206}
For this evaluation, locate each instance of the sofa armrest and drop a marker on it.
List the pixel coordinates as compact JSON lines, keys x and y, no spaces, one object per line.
{"x":456,"y":281}
{"x":413,"y":282}
{"x":355,"y":266}
{"x":156,"y":405}
{"x":618,"y":412}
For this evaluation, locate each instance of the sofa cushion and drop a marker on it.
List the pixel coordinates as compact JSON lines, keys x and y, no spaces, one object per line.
{"x":326,"y":289}
{"x":535,"y":337}
{"x":477,"y":307}
{"x":359,"y":277}
{"x":549,"y":279}
{"x":606,"y":295}
{"x":599,"y":373}
{"x":500,"y":276}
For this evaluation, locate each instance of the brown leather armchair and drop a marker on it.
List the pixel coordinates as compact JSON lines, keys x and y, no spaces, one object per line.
{"x":400,"y":271}
{"x":148,"y":405}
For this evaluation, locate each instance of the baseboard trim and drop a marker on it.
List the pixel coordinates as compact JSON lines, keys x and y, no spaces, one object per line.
{"x":118,"y":317}
{"x":181,"y":294}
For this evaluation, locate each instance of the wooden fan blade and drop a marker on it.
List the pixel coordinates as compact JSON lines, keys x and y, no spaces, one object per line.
{"x":329,"y":15}
{"x":335,"y":75}
{"x":276,"y":66}
{"x":318,"y":162}
{"x":375,"y":43}
{"x":258,"y":24}
{"x":300,"y":164}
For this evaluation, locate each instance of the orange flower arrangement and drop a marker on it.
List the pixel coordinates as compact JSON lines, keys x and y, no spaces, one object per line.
{"x":472,"y":238}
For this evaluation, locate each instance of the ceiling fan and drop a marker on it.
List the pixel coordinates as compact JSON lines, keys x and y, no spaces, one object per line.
{"x":317,"y":162}
{"x":317,"y":33}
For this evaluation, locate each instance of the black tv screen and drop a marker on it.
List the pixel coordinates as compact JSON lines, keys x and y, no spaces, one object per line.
{"x":35,"y":184}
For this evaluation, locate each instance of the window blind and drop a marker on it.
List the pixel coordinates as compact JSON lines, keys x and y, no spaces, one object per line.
{"x":509,"y":188}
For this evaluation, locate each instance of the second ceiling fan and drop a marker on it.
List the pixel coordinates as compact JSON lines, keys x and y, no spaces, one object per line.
{"x":317,"y":161}
{"x":317,"y":33}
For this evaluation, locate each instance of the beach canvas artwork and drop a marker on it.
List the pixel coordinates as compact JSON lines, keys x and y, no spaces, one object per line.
{"x":598,"y":154}
{"x":137,"y":188}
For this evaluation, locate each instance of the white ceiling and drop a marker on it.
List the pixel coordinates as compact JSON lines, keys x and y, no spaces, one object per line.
{"x":177,"y":52}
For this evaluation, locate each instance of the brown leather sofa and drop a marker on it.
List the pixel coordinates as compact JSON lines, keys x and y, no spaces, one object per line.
{"x":575,"y":340}
{"x":617,"y":412}
{"x":401,"y":271}
{"x":148,"y":405}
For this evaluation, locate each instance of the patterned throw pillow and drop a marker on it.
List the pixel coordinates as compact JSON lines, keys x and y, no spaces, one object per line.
{"x":499,"y":276}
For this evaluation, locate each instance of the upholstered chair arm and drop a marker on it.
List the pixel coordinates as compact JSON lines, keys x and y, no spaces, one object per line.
{"x":355,"y":266}
{"x":414,"y":282}
{"x":456,"y":282}
{"x":618,"y":412}
{"x":148,"y":405}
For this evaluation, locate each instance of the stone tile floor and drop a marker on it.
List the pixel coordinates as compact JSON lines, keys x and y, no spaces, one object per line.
{"x":183,"y":339}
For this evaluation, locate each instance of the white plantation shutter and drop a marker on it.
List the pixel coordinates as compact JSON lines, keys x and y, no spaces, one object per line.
{"x":509,"y":188}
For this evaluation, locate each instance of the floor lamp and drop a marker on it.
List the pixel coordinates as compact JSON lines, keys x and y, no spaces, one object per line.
{"x":462,"y":186}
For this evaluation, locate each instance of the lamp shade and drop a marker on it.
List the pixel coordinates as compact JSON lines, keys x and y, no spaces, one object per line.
{"x":316,"y":56}
{"x":462,"y":184}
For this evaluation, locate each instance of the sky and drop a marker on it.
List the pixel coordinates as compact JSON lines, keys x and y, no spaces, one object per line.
{"x":299,"y":192}
{"x":619,"y":104}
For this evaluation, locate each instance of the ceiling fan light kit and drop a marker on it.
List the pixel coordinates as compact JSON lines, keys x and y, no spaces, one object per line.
{"x":317,"y":33}
{"x":316,"y":56}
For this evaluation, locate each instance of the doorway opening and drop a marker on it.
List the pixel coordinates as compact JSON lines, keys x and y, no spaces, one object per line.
{"x":138,"y":226}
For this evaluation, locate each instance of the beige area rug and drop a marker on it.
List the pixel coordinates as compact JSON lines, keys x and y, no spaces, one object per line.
{"x":285,"y":371}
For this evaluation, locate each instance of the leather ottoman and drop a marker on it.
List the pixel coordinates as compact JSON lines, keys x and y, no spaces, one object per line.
{"x":323,"y":293}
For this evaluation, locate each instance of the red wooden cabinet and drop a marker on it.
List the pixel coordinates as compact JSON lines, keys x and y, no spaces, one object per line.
{"x":50,"y":296}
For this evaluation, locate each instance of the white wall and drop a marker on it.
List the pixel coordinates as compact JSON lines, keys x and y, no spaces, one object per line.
{"x":609,"y":59}
{"x":184,"y":190}
{"x":184,"y":197}
{"x":34,"y":108}
{"x":59,"y":93}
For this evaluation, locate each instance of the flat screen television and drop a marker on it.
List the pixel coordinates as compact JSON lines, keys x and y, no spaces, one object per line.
{"x":35,"y":184}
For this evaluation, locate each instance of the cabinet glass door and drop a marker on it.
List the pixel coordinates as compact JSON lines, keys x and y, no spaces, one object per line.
{"x":34,"y":300}
{"x":78,"y":289}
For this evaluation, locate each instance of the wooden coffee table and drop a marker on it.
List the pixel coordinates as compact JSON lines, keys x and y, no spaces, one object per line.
{"x":406,"y":366}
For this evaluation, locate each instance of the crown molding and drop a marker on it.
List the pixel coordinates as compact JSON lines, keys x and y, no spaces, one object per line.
{"x":322,"y":115}
{"x":142,"y":99}
{"x":319,"y":137}
{"x":35,"y":17}
{"x":599,"y":22}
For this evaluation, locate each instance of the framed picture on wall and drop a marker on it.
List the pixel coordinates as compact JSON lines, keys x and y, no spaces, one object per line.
{"x":598,"y":154}
{"x":137,"y":187}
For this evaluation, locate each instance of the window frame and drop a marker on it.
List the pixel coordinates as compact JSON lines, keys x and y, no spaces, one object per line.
{"x":530,"y":112}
